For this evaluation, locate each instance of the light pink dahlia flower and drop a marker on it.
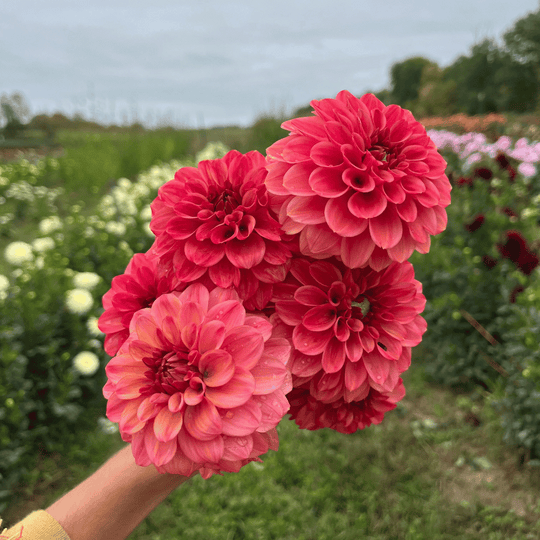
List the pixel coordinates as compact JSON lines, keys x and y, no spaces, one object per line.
{"x":215,"y":220}
{"x":352,"y":330}
{"x":199,"y":384}
{"x":340,"y":415}
{"x":137,"y":288}
{"x":359,"y":180}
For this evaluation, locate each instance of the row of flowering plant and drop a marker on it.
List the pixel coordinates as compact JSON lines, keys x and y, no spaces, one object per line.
{"x":276,"y":284}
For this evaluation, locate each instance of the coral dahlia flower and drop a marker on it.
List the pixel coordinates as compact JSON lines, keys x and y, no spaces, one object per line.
{"x":340,"y":415}
{"x":198,"y":384}
{"x":360,"y":181}
{"x":352,"y":330}
{"x":215,"y":220}
{"x":137,"y":288}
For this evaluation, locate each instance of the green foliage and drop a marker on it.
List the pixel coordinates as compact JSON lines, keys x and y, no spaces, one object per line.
{"x":266,"y":131}
{"x":406,"y":77}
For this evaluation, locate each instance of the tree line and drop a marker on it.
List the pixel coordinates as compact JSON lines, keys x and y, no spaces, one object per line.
{"x":493,"y":77}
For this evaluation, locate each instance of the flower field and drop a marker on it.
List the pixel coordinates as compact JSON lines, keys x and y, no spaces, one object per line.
{"x":481,"y":279}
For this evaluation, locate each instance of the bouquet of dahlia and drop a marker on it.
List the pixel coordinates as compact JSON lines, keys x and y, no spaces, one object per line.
{"x":276,"y":285}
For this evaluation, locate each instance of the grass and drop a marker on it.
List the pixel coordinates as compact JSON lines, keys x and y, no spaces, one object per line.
{"x":427,"y":472}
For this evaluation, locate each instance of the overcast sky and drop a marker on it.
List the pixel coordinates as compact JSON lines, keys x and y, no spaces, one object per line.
{"x":208,"y":62}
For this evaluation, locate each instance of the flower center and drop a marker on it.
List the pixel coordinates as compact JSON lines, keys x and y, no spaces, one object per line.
{"x":226,"y":201}
{"x":363,"y":306}
{"x":170,"y":373}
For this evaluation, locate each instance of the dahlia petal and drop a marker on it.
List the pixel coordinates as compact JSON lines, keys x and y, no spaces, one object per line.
{"x":138,"y":449}
{"x":296,"y":148}
{"x":367,"y":205}
{"x":176,"y":402}
{"x":203,"y":253}
{"x":194,"y":396}
{"x":341,"y":220}
{"x":296,"y":179}
{"x":224,"y":274}
{"x":355,"y":252}
{"x":203,"y":421}
{"x":407,"y":210}
{"x":337,"y":133}
{"x":211,"y":335}
{"x":230,"y":312}
{"x":303,"y":365}
{"x":273,"y":408}
{"x":394,"y":192}
{"x":237,"y":448}
{"x":128,"y":387}
{"x":129,"y":422}
{"x":241,"y":421}
{"x":199,"y":451}
{"x":326,"y":154}
{"x":261,"y":324}
{"x":309,"y":342}
{"x":278,"y":348}
{"x":245,"y":345}
{"x":320,"y":318}
{"x":327,"y":183}
{"x":333,"y":356}
{"x":355,"y":375}
{"x":403,"y":249}
{"x":190,"y":312}
{"x":217,"y":367}
{"x":246,"y":253}
{"x":167,"y":425}
{"x":310,"y":295}
{"x":358,"y":180}
{"x":413,"y":185}
{"x":181,"y":228}
{"x":222,"y":233}
{"x":276,"y":172}
{"x":147,"y":410}
{"x":319,"y":241}
{"x":311,"y":126}
{"x":246,"y":226}
{"x":269,"y":375}
{"x":215,"y":170}
{"x":179,"y":464}
{"x":376,"y":366}
{"x":269,"y":273}
{"x":291,"y":312}
{"x":386,"y":229}
{"x":234,"y":393}
{"x":307,"y":210}
{"x":185,"y":269}
{"x":354,"y":348}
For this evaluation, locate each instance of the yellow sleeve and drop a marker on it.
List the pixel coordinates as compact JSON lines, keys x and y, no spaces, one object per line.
{"x":38,"y":525}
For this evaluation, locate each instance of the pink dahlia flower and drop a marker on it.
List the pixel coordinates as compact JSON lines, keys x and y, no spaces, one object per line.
{"x":215,"y":221}
{"x":137,"y":288}
{"x":198,"y":384}
{"x":352,"y":330}
{"x":340,"y":415}
{"x":360,"y":181}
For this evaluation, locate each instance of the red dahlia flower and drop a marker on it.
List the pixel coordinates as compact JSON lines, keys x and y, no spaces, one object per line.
{"x":352,"y":329}
{"x":345,"y":417}
{"x":215,"y":220}
{"x":475,"y":224}
{"x":359,"y":180}
{"x":517,"y":250}
{"x":137,"y":288}
{"x":199,"y":384}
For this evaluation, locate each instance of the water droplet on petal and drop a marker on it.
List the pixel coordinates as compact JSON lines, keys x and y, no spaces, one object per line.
{"x":229,"y":414}
{"x":241,"y":441}
{"x":263,"y":398}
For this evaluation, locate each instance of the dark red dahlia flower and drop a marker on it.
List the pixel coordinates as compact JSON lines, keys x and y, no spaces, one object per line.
{"x":517,"y":250}
{"x":484,"y":173}
{"x":465,"y":181}
{"x":215,"y":220}
{"x":351,"y":329}
{"x":137,"y":288}
{"x":360,"y":181}
{"x":489,"y":261}
{"x":475,"y":224}
{"x":340,"y":415}
{"x":518,"y":289}
{"x":502,"y":160}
